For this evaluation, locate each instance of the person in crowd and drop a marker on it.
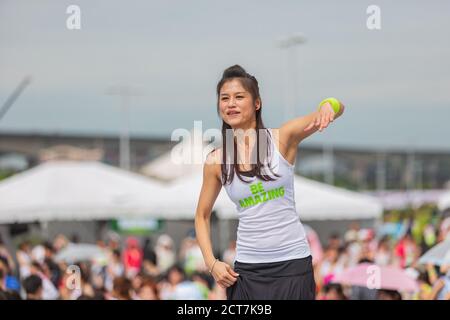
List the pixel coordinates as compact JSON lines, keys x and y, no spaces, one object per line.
{"x":425,"y":288}
{"x":9,"y":295}
{"x":406,"y":251}
{"x":204,"y":283}
{"x":114,"y":269}
{"x":121,"y":289}
{"x":383,"y":253}
{"x":60,"y":242}
{"x":165,"y":253}
{"x":24,"y":258}
{"x":352,"y":233}
{"x":33,"y":287}
{"x":368,"y":244}
{"x":132,"y":257}
{"x":85,"y":286}
{"x":429,"y":237}
{"x":191,"y":256}
{"x":334,"y":241}
{"x":383,"y":294}
{"x":441,"y":289}
{"x":9,"y":282}
{"x":186,"y":289}
{"x":113,"y":241}
{"x":332,"y":291}
{"x":175,"y":275}
{"x":149,"y":263}
{"x":5,"y":254}
{"x":148,"y":290}
{"x":332,"y":264}
{"x":49,"y":291}
{"x":179,"y":287}
{"x":53,"y":268}
{"x":136,"y":284}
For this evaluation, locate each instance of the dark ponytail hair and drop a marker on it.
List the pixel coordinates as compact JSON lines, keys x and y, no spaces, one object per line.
{"x":250,"y":84}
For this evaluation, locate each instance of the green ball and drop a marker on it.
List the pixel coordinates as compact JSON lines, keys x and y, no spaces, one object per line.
{"x":335,"y":104}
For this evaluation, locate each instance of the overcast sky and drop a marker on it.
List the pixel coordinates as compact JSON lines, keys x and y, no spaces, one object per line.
{"x":395,"y":81}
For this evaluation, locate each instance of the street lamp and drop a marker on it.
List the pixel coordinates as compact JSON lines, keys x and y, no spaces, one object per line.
{"x":291,"y":43}
{"x":125,"y":93}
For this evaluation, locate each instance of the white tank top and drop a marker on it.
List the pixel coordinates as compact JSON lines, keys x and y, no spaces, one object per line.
{"x":269,"y":227}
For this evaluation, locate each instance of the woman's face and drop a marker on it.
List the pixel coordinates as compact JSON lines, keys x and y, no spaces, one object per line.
{"x":236,"y":105}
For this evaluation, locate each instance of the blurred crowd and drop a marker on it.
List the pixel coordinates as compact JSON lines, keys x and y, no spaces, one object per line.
{"x":396,"y":250}
{"x":135,"y":268}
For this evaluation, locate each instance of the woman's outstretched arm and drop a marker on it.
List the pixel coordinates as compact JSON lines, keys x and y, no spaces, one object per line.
{"x":294,"y":131}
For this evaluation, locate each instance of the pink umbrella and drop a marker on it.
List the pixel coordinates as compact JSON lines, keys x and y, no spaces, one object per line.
{"x":373,"y":276}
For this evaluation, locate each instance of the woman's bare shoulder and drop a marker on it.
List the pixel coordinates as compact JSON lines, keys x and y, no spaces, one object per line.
{"x":213,"y":162}
{"x":279,"y":135}
{"x":214,"y":156}
{"x":280,"y":139}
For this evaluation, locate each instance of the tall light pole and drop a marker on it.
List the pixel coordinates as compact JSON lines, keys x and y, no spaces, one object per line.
{"x":291,"y":43}
{"x":381,"y":171}
{"x":410,"y":173}
{"x":125,"y":93}
{"x":328,"y":161}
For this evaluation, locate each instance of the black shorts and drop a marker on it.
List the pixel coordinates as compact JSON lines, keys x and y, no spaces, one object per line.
{"x":285,"y":280}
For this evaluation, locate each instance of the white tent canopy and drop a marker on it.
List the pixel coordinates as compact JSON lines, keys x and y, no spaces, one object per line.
{"x":76,"y":190}
{"x":320,"y":201}
{"x":186,"y":157}
{"x":401,"y":199}
{"x":182,"y":197}
{"x":314,"y":201}
{"x":163,"y":167}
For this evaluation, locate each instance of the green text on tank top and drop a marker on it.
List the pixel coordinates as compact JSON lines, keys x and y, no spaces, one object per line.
{"x":259,"y":194}
{"x":260,"y":191}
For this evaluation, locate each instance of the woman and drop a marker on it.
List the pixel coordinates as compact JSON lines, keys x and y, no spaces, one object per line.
{"x":273,"y":259}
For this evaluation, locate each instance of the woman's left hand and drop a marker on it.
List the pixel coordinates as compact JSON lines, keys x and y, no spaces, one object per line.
{"x":325,"y":115}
